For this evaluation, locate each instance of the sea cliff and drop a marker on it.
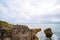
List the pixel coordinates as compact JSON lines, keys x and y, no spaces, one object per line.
{"x":17,"y":32}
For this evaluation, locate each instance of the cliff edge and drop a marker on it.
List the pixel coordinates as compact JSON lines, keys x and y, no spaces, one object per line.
{"x":17,"y":32}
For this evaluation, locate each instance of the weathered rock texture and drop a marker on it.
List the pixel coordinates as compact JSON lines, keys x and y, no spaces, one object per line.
{"x":17,"y":32}
{"x":48,"y":32}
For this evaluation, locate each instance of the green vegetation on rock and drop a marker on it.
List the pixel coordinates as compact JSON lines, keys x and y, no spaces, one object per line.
{"x":5,"y":24}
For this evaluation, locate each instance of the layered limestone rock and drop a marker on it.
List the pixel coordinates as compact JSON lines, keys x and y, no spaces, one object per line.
{"x":17,"y":32}
{"x":22,"y":32}
{"x":48,"y":32}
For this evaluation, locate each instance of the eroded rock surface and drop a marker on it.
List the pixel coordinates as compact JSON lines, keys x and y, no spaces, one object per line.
{"x":21,"y":32}
{"x":48,"y":32}
{"x":17,"y":32}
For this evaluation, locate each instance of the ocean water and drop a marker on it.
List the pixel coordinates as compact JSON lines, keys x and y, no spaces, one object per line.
{"x":55,"y":28}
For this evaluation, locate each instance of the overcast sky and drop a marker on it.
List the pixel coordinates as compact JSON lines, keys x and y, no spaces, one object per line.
{"x":30,"y":11}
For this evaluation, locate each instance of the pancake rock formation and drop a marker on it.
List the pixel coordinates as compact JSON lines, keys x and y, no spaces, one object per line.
{"x":17,"y":32}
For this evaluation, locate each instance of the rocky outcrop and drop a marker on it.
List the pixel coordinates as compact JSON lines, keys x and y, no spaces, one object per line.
{"x":17,"y":32}
{"x":48,"y":32}
{"x":22,"y":32}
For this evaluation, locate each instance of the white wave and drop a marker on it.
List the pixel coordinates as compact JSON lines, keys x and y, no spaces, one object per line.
{"x":41,"y":36}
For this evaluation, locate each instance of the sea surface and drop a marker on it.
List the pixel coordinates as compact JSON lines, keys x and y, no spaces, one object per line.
{"x":55,"y":28}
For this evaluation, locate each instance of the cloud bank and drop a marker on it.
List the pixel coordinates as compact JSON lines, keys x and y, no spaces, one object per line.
{"x":30,"y":11}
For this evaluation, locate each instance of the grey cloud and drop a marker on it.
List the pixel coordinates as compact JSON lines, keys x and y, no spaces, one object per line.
{"x":16,"y":11}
